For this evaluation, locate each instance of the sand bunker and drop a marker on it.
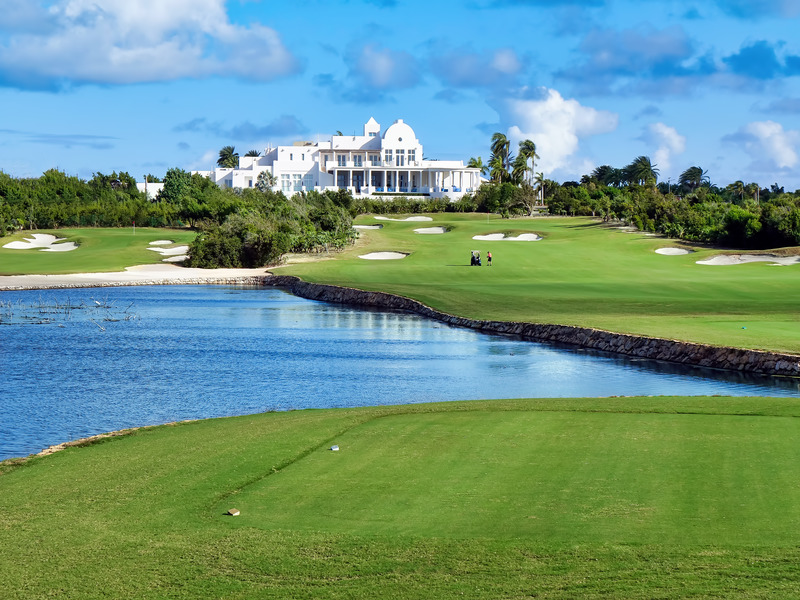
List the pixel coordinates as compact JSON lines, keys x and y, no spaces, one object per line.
{"x":501,"y":237}
{"x":740,"y":259}
{"x":431,"y":230}
{"x":174,"y":251}
{"x":174,"y":254}
{"x":367,"y":226}
{"x":383,"y":255}
{"x":43,"y":242}
{"x":672,"y":251}
{"x":161,"y":243}
{"x":406,"y":219}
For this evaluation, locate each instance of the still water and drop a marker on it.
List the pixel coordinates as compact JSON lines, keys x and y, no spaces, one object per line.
{"x":132,"y":356}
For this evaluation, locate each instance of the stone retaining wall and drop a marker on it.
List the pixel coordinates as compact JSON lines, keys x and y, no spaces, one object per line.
{"x":736,"y":359}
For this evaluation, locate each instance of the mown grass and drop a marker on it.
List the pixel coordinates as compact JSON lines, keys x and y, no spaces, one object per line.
{"x":565,"y":498}
{"x":99,"y":250}
{"x":583,"y":273}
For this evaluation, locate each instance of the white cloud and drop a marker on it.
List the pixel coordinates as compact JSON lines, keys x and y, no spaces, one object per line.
{"x":382,"y":68}
{"x":505,"y":61}
{"x":767,"y":139}
{"x":668,"y":141}
{"x":118,"y":41}
{"x":556,"y":125}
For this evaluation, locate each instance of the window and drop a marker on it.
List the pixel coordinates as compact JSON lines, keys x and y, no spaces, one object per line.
{"x":302,"y":157}
{"x":375,"y":159}
{"x":372,"y":134}
{"x":387,"y":156}
{"x":291,"y":156}
{"x":401,"y":158}
{"x":412,"y":156}
{"x":298,"y":182}
{"x":308,"y":182}
{"x":286,"y":184}
{"x":342,"y":160}
{"x":357,"y":160}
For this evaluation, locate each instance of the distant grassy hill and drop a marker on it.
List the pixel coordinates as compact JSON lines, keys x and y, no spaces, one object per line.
{"x":566,"y":498}
{"x":99,"y":250}
{"x":582,"y":273}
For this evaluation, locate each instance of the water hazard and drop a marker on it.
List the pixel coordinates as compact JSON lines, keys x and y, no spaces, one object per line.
{"x":132,"y":356}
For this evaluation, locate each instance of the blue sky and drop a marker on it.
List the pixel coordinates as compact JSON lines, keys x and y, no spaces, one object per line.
{"x":145,"y":85}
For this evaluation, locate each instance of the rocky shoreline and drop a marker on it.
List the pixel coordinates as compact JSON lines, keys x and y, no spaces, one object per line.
{"x":675,"y":351}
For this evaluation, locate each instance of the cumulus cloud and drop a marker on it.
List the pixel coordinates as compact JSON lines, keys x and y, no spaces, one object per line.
{"x":464,"y":67}
{"x":374,"y":72}
{"x":668,"y":142}
{"x":769,"y":145}
{"x":556,"y":125}
{"x":383,"y":68}
{"x":119,"y":42}
{"x":634,"y":57}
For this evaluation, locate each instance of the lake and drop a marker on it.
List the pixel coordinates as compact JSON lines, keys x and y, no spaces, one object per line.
{"x":75,"y":363}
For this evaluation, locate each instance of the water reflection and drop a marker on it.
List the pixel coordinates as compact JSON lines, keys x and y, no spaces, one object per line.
{"x":199,"y":351}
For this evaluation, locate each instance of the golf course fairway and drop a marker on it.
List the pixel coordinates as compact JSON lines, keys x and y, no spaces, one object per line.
{"x":582,"y":273}
{"x":565,"y":498}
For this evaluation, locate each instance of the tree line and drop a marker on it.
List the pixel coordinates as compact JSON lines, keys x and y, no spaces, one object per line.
{"x":256,"y":226}
{"x":237,"y":228}
{"x":742,"y":215}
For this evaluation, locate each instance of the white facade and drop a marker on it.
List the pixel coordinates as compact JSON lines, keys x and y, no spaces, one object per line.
{"x":367,"y":165}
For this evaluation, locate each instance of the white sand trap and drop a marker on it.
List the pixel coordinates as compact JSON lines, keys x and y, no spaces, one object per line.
{"x":431,"y":230}
{"x":175,"y":259}
{"x":672,"y":251}
{"x":161,"y":243}
{"x":43,"y":242}
{"x":501,"y":237}
{"x":740,"y":259}
{"x":174,"y":251}
{"x":367,"y":226}
{"x":406,"y":219}
{"x":65,"y":247}
{"x":383,"y":255}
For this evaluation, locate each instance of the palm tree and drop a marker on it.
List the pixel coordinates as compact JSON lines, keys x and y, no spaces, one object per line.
{"x":693,"y":177}
{"x":539,"y":185}
{"x":528,"y":149}
{"x":228,"y":158}
{"x":497,"y":169}
{"x":501,"y":147}
{"x":253,"y":153}
{"x":737,"y":188}
{"x":604,"y":174}
{"x":518,"y":169}
{"x":477,"y":163}
{"x":642,"y":171}
{"x":754,"y":190}
{"x":265,"y":181}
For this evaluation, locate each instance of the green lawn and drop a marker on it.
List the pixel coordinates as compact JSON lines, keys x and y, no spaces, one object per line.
{"x":99,"y":250}
{"x":581,"y":273}
{"x":565,"y":498}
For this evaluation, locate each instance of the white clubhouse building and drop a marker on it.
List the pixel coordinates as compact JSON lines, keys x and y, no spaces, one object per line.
{"x":368,"y":165}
